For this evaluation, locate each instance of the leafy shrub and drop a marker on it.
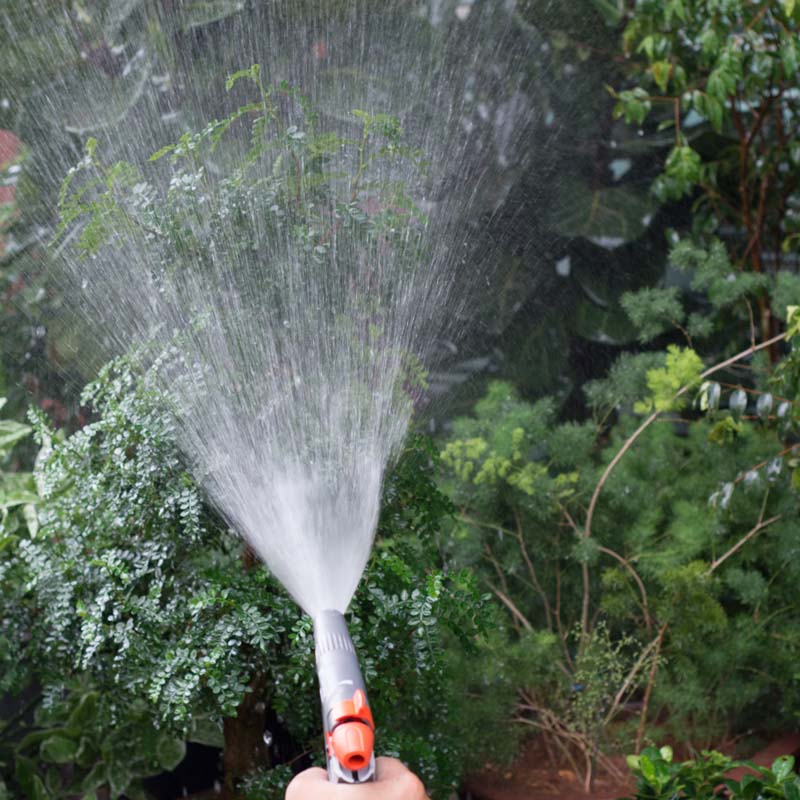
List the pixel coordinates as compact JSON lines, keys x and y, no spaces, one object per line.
{"x":133,"y":598}
{"x":667,"y":542}
{"x":668,"y":517}
{"x":658,"y":777}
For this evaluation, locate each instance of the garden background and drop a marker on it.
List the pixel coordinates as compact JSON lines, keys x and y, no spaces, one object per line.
{"x":589,"y":546}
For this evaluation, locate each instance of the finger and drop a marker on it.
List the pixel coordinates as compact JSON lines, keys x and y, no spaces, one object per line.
{"x":397,"y":778}
{"x":388,"y":769}
{"x":312,"y":782}
{"x":394,"y":782}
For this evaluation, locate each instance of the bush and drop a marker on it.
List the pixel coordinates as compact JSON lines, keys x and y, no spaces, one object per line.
{"x":658,"y":777}
{"x":655,"y":556}
{"x":137,"y":610}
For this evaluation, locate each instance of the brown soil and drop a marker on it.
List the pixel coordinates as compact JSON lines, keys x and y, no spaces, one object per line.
{"x":533,"y":777}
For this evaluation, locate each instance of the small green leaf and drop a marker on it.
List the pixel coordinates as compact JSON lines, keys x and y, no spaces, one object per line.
{"x":724,"y":431}
{"x":31,"y":518}
{"x":647,"y":46}
{"x":96,"y":778}
{"x":648,"y":768}
{"x":58,"y":749}
{"x":84,"y":712}
{"x":11,"y":432}
{"x":162,"y":152}
{"x":170,"y":752}
{"x":661,"y":71}
{"x":792,"y":321}
{"x":782,"y":767}
{"x":119,"y":777}
{"x":30,"y":783}
{"x":252,"y":73}
{"x":789,"y":56}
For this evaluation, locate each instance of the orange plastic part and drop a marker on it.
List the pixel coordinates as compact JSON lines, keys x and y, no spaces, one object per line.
{"x":352,"y":738}
{"x":356,"y":708}
{"x":352,"y":744}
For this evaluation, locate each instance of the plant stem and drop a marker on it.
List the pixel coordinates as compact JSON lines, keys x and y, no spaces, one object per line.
{"x":587,"y":530}
{"x":651,"y":679}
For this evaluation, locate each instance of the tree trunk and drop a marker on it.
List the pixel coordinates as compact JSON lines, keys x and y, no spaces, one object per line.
{"x":245,"y":748}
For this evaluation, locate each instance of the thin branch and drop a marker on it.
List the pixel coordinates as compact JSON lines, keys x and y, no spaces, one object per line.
{"x":587,"y":531}
{"x":501,"y":576}
{"x":635,"y":575}
{"x":625,"y":563}
{"x":651,"y":679}
{"x":557,"y":613}
{"x":532,"y":571}
{"x":743,"y":541}
{"x":584,"y":580}
{"x":756,"y":391}
{"x":628,"y":683}
{"x":764,"y":463}
{"x":752,"y":322}
{"x":509,"y":604}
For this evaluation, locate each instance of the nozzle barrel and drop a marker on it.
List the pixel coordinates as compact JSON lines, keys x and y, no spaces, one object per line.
{"x":349,"y":727}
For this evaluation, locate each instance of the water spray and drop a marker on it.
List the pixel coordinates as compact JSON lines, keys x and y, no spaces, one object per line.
{"x":288,"y":307}
{"x":347,"y":719}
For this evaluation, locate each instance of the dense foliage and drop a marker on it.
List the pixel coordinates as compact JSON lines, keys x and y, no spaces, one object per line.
{"x":661,"y":778}
{"x":638,"y":531}
{"x":669,"y":515}
{"x":146,"y":621}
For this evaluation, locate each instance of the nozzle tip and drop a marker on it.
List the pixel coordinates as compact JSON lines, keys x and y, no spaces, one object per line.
{"x":352,"y":744}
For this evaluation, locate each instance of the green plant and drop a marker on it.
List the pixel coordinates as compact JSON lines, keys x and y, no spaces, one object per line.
{"x":148,"y":605}
{"x":671,"y":529}
{"x":667,"y":516}
{"x":720,"y":77}
{"x":658,"y":777}
{"x":19,"y":521}
{"x":17,"y":489}
{"x":72,"y":734}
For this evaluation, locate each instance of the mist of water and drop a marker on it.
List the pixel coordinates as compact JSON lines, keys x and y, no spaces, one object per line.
{"x":289,"y":361}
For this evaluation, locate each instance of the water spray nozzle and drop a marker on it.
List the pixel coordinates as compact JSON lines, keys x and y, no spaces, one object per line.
{"x":349,"y":727}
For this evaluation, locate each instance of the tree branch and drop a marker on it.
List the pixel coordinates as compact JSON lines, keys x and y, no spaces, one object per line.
{"x":509,"y":604}
{"x":743,"y":541}
{"x":647,"y":422}
{"x":532,"y":571}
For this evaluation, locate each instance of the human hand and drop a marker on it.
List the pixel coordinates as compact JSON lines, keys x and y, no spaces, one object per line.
{"x":395,"y":782}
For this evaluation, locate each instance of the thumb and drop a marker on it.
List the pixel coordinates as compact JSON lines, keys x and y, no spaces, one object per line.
{"x":311,"y":783}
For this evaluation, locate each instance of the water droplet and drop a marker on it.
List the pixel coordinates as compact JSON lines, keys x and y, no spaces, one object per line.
{"x":774,"y":468}
{"x":563,"y":267}
{"x":737,"y":402}
{"x":764,"y":405}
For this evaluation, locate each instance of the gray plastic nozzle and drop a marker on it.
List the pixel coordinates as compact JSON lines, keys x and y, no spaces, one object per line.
{"x":349,"y":728}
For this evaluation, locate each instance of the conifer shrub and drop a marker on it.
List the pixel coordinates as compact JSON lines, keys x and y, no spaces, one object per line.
{"x":654,"y":559}
{"x":666,"y":516}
